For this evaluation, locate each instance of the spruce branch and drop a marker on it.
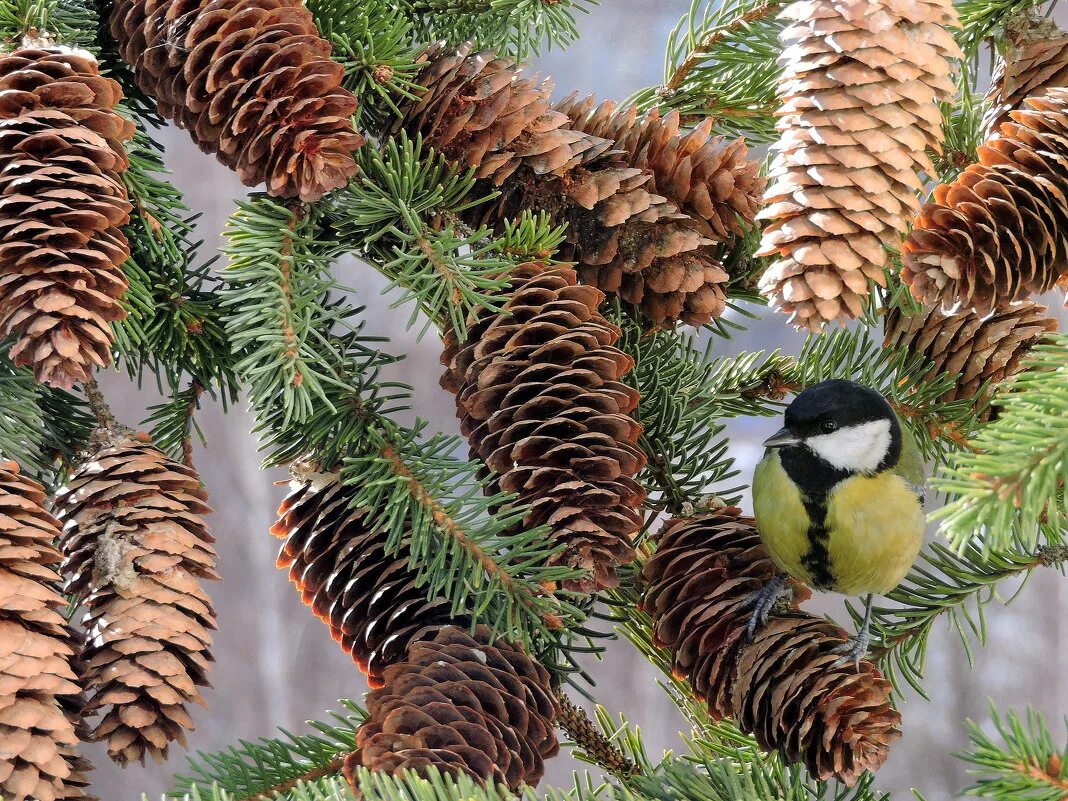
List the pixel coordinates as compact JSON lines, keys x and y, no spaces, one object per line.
{"x":70,"y":22}
{"x":594,"y":745}
{"x":1022,"y":764}
{"x":944,"y":582}
{"x":1012,"y":483}
{"x":986,"y":21}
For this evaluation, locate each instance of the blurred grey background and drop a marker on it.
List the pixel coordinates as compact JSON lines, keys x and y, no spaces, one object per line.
{"x":276,"y":664}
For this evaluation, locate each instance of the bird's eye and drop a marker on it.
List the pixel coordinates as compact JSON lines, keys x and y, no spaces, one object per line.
{"x":828,"y":426}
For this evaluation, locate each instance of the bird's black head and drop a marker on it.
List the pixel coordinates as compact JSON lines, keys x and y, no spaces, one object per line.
{"x":848,"y":427}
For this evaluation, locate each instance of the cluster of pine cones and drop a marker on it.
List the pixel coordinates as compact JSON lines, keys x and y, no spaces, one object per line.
{"x":127,"y":531}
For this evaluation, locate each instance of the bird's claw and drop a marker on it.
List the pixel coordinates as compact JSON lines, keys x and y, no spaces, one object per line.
{"x":763,"y":601}
{"x":852,"y":650}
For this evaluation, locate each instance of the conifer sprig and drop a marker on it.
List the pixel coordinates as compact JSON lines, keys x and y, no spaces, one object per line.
{"x":1011,"y":482}
{"x":1022,"y":763}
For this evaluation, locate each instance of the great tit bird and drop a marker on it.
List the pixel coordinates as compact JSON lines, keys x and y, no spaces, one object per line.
{"x":838,"y":499}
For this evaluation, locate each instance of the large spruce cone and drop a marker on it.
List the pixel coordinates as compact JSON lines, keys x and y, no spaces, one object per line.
{"x":62,"y":203}
{"x":1035,"y":59}
{"x":785,"y":686}
{"x":481,"y":112}
{"x":368,"y":598}
{"x":999,"y":232}
{"x":40,"y":699}
{"x":982,"y":350}
{"x":708,"y":177}
{"x":464,"y":703}
{"x":860,"y":91}
{"x":541,"y":403}
{"x":136,"y":549}
{"x":252,"y":81}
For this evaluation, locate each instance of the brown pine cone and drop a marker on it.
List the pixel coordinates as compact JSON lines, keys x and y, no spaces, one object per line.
{"x":136,"y":548}
{"x":999,"y":232}
{"x":860,"y":91}
{"x":540,"y":401}
{"x":1035,"y":59}
{"x":368,"y":598}
{"x":980,"y":349}
{"x":252,"y":82}
{"x":463,"y":705}
{"x":708,"y":177}
{"x":783,"y":686}
{"x":62,"y":202}
{"x":482,"y":113}
{"x":40,"y":700}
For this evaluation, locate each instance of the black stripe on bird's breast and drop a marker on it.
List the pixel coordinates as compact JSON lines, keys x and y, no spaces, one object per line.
{"x":817,"y":559}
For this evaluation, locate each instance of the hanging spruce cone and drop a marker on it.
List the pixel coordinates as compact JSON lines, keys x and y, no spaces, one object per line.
{"x":136,"y":549}
{"x":860,"y":92}
{"x":481,"y":112}
{"x":1035,"y":59}
{"x":708,"y":177}
{"x":783,"y":686}
{"x":982,"y":350}
{"x":541,"y":403}
{"x":368,"y":598}
{"x":252,"y":82}
{"x":40,"y":700}
{"x":999,"y":232}
{"x":464,"y":703}
{"x":62,"y":202}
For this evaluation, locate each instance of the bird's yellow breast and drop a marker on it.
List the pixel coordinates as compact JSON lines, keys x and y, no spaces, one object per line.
{"x":874,"y":527}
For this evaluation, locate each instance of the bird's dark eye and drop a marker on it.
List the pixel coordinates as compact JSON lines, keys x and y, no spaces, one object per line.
{"x":828,"y":426}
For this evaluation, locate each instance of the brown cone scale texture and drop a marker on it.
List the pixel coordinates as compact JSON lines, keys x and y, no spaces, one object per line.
{"x":252,"y":82}
{"x":1030,"y":66}
{"x":40,"y":698}
{"x":136,"y":550}
{"x":62,"y":202}
{"x":369,"y":599}
{"x":540,"y":400}
{"x":999,"y":232}
{"x":983,"y":350}
{"x":465,"y":704}
{"x":860,"y":91}
{"x":783,"y":686}
{"x":708,"y":177}
{"x":483,"y":113}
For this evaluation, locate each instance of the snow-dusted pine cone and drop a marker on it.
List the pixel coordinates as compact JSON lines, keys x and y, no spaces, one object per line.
{"x":137,"y":549}
{"x":860,"y":89}
{"x":62,"y":205}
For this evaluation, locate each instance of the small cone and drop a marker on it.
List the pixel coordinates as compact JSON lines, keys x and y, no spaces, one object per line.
{"x":252,"y":82}
{"x":62,"y":205}
{"x":483,"y":113}
{"x":784,"y":686}
{"x":999,"y":232}
{"x":40,"y":699}
{"x":860,"y":93}
{"x":136,"y":548}
{"x":464,"y":703}
{"x":982,"y":350}
{"x":540,"y":400}
{"x":371,"y":600}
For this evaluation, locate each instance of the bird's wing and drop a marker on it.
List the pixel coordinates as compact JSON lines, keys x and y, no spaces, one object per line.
{"x":911,"y":466}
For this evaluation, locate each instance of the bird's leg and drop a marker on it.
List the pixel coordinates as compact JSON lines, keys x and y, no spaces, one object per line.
{"x":764,"y":600}
{"x":856,"y":648}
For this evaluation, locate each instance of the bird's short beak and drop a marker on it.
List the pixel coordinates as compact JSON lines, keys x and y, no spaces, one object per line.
{"x":781,"y":439}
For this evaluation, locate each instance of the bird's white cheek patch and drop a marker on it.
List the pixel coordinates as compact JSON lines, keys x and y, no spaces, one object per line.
{"x":858,"y":449}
